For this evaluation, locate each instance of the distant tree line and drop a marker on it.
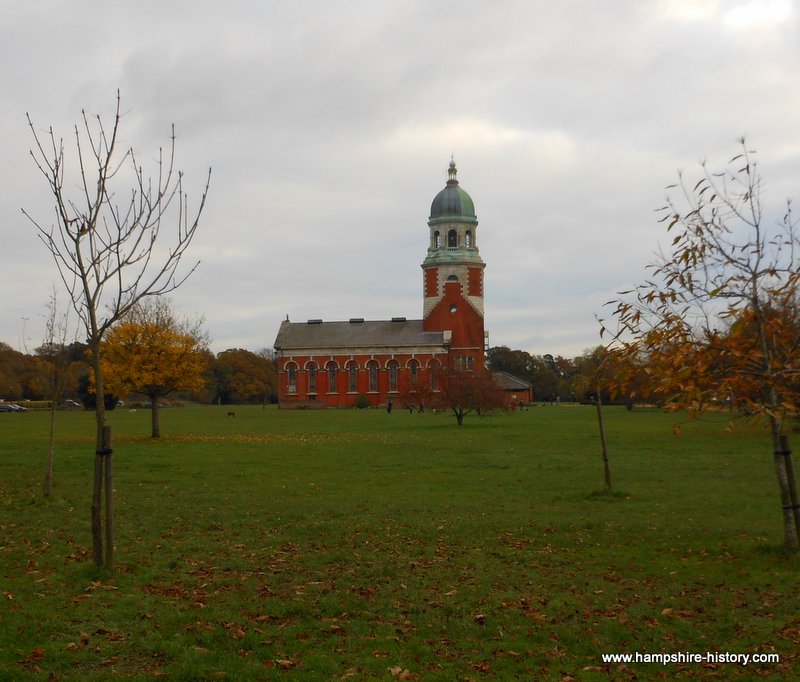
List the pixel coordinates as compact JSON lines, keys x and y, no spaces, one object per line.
{"x":559,"y":379}
{"x":239,"y":376}
{"x":234,"y":376}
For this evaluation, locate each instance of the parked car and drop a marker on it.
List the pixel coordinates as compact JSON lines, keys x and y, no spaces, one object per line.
{"x":12,"y":407}
{"x":71,"y":404}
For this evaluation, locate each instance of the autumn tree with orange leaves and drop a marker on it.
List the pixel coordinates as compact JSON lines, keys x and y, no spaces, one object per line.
{"x":154,"y":352}
{"x":716,"y":322}
{"x":463,"y":392}
{"x":242,"y":376}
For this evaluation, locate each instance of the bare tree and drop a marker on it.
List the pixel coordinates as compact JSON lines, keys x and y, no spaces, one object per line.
{"x":109,"y":248}
{"x":54,"y":355}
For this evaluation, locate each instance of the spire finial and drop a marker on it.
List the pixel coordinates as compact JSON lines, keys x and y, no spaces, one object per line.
{"x":451,"y":172}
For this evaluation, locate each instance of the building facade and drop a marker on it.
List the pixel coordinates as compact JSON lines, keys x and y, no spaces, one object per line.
{"x":331,"y":364}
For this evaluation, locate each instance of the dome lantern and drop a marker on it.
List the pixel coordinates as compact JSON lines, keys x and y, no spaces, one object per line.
{"x":452,"y":204}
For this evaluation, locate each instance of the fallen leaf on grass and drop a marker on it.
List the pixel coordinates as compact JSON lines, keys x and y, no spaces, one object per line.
{"x":79,"y":645}
{"x":677,"y":613}
{"x":35,"y":655}
{"x":790,"y":633}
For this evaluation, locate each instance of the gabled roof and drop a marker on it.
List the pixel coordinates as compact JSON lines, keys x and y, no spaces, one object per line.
{"x":508,"y":382}
{"x":356,"y":333}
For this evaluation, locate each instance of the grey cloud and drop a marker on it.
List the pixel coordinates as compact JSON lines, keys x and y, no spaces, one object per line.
{"x":330,"y":125}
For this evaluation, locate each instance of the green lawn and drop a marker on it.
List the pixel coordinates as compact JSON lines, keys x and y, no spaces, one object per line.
{"x":359,"y":545}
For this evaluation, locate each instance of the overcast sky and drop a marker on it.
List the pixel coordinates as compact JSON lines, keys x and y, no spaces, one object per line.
{"x":329,"y":127}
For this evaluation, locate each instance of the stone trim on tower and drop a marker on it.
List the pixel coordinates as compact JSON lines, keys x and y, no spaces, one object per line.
{"x":453,"y":269}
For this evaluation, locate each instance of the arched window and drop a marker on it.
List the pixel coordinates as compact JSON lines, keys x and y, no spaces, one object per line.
{"x":312,"y":377}
{"x":468,"y":239}
{"x":413,"y":368}
{"x":352,"y":377}
{"x":393,"y":375}
{"x":372,"y":368}
{"x":452,"y":239}
{"x":434,"y":375}
{"x":333,"y":369}
{"x":291,"y":368}
{"x":465,"y":363}
{"x":437,"y":240}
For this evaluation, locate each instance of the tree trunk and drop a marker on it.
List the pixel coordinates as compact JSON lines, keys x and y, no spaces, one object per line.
{"x":97,"y":489}
{"x":787,"y":457}
{"x":47,"y":485}
{"x":790,"y":528}
{"x":602,"y":425}
{"x":97,"y":519}
{"x":155,"y":425}
{"x":789,"y":524}
{"x":109,"y":484}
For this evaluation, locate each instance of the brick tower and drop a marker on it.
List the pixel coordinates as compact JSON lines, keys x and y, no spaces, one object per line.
{"x":453,"y":275}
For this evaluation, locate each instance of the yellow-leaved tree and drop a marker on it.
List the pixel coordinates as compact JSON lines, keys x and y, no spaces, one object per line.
{"x":154,"y":352}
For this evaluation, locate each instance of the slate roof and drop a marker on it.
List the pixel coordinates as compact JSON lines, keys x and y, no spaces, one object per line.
{"x":296,"y":336}
{"x":508,"y":382}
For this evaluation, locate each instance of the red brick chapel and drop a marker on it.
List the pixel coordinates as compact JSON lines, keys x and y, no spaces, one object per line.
{"x":329,"y":364}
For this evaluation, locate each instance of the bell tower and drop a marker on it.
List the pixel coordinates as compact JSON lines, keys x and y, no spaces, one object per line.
{"x":453,"y":274}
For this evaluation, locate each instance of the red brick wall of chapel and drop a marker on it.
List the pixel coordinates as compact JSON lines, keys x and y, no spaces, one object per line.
{"x":340,"y":394}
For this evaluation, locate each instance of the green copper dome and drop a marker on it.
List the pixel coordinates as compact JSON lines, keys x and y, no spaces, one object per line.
{"x":452,"y":204}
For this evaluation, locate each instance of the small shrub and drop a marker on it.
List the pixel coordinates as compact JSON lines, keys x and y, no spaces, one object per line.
{"x":362,"y":401}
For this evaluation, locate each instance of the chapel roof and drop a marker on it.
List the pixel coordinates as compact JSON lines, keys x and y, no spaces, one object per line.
{"x":355,"y":333}
{"x":509,"y":382}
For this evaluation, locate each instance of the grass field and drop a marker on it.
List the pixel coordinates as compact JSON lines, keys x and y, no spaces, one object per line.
{"x":359,"y":545}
